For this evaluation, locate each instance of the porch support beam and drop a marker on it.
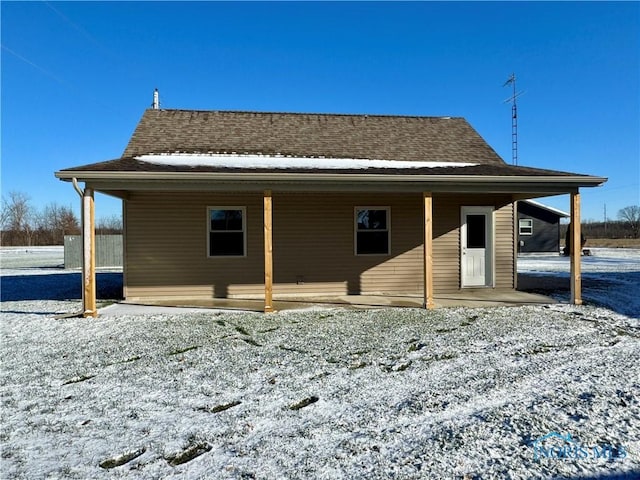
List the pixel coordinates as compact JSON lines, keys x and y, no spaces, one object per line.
{"x":575,"y":249}
{"x":268,"y":252}
{"x":88,"y":255}
{"x":428,"y":250}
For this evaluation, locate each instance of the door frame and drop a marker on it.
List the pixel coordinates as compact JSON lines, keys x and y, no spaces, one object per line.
{"x":490,"y":256}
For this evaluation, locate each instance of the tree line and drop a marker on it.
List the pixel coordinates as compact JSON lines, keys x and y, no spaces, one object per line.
{"x":21,"y":224}
{"x":627,"y":225}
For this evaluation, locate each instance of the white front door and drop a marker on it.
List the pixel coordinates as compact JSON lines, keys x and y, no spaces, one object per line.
{"x":476,"y":235}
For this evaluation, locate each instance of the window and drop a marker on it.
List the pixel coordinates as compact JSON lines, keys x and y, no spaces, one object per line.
{"x":476,"y":231}
{"x":227,"y":231}
{"x":525,"y":226}
{"x":372,"y":230}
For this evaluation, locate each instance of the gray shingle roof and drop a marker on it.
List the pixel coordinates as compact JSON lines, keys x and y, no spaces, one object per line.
{"x":373,"y":137}
{"x":441,"y":139}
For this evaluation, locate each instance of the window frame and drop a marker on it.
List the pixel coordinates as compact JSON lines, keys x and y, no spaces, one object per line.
{"x":530,"y":227}
{"x":387,"y":209}
{"x":244,"y":230}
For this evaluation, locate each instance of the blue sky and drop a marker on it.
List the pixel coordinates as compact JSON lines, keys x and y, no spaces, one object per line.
{"x":77,"y":76}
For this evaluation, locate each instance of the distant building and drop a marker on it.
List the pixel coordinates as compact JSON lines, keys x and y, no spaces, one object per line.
{"x":539,"y":227}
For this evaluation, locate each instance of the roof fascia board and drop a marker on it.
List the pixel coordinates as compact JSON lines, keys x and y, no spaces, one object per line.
{"x":277,"y":178}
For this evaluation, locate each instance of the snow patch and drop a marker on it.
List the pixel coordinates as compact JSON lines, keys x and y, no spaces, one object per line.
{"x":282,"y":162}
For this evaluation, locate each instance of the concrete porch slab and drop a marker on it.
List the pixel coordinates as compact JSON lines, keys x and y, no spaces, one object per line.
{"x":485,"y":297}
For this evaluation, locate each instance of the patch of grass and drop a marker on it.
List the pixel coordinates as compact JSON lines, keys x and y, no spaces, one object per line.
{"x":189,"y":454}
{"x":304,"y":403}
{"x":625,"y":333}
{"x":220,"y":408}
{"x":534,"y":351}
{"x":119,"y":460}
{"x":291,"y":349}
{"x":269,"y":330}
{"x":251,"y":341}
{"x":414,"y":347}
{"x":395,"y":367}
{"x":445,"y":330}
{"x":614,"y":243}
{"x":121,"y":362}
{"x":356,"y":366}
{"x":78,"y":379}
{"x":442,"y":356}
{"x":132,"y":359}
{"x":242,"y":331}
{"x":469,"y":321}
{"x":183,"y":350}
{"x":360,"y":352}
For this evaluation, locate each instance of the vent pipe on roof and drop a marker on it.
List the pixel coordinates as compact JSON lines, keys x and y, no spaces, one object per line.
{"x":156,"y":100}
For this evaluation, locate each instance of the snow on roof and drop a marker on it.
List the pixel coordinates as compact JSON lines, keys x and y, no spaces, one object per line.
{"x":547,"y":207}
{"x":285,"y":162}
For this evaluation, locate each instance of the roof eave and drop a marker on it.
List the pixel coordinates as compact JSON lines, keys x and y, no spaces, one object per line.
{"x":120,"y":180}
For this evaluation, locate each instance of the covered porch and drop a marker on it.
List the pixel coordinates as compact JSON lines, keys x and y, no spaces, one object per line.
{"x":274,"y":301}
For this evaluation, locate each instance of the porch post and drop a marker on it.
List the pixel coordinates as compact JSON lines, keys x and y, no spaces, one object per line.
{"x":268,"y":252}
{"x":575,"y":248}
{"x":428,"y":250}
{"x":516,"y":242}
{"x":88,"y":255}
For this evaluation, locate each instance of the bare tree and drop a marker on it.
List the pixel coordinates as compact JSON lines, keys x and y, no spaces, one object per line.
{"x":68,"y":223}
{"x":111,"y":224}
{"x":21,"y":224}
{"x":54,"y":222}
{"x":4,"y":220}
{"x":631,"y":216}
{"x":18,"y":217}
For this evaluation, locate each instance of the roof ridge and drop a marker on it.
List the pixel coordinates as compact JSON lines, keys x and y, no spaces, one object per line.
{"x":310,"y":114}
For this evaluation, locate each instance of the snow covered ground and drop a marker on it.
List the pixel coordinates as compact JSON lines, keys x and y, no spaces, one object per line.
{"x":610,"y":276}
{"x":390,"y":393}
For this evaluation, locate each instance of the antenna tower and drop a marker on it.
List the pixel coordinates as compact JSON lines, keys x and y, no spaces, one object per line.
{"x":514,"y":117}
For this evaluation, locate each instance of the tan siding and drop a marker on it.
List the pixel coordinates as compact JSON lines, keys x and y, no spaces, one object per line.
{"x":313,"y":245}
{"x":167,"y":247}
{"x":504,"y":256}
{"x":446,"y":245}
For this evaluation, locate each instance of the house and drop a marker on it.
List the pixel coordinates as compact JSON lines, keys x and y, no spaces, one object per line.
{"x":224,"y":204}
{"x":539,"y":228}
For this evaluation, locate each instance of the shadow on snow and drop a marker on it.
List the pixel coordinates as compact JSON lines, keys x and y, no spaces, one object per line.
{"x":58,"y":286}
{"x":632,"y":475}
{"x":617,"y":291}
